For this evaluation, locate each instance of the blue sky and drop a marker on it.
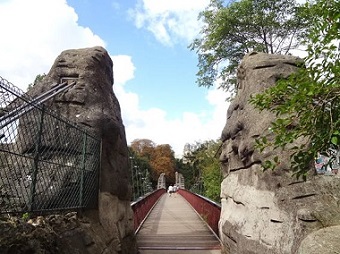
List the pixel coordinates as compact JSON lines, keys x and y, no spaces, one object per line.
{"x":154,"y":71}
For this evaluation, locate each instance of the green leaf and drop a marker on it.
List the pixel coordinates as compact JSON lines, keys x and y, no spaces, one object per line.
{"x":231,"y":29}
{"x":335,"y":140}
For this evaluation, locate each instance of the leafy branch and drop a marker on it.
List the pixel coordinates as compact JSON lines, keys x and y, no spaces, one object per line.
{"x":307,"y":104}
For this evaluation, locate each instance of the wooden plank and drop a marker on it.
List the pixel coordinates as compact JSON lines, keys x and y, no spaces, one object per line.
{"x":174,"y":225}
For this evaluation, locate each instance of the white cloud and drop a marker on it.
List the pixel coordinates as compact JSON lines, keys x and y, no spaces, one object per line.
{"x":155,"y":125}
{"x":123,"y":70}
{"x":169,"y":21}
{"x":33,"y":34}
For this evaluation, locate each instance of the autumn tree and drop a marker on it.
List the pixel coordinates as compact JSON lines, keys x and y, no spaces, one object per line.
{"x":233,"y":28}
{"x":160,"y":157}
{"x":163,"y":161}
{"x":143,"y":147}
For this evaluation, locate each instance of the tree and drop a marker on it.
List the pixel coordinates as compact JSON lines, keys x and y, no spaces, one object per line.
{"x":231,"y":31}
{"x":37,"y":79}
{"x":163,"y":161}
{"x":183,"y":167}
{"x":161,"y":157}
{"x":140,"y":175}
{"x":307,"y":104}
{"x":211,"y":170}
{"x":206,"y":168}
{"x":143,"y":147}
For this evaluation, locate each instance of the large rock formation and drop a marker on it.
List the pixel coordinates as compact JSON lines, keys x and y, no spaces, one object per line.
{"x":91,"y":104}
{"x":270,"y":212}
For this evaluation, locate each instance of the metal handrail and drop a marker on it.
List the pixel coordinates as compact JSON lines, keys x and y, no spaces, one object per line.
{"x":142,"y":207}
{"x":31,"y":104}
{"x":206,"y":208}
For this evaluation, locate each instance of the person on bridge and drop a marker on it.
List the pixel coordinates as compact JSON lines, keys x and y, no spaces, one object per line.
{"x":170,"y":190}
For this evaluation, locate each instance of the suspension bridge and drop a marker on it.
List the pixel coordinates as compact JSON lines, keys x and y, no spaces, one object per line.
{"x":173,"y":226}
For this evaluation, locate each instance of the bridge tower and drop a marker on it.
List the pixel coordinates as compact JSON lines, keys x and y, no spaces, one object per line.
{"x":180,"y":180}
{"x":161,"y":182}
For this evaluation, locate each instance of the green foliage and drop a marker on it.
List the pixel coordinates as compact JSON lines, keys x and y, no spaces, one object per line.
{"x":37,"y":79}
{"x":141,"y":172}
{"x":187,"y":170}
{"x":307,"y":103}
{"x":25,"y":216}
{"x":212,"y":178}
{"x":201,"y":167}
{"x":230,"y":31}
{"x":206,"y":169}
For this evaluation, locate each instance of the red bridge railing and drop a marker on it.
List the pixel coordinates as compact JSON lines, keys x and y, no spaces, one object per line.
{"x":207,"y":209}
{"x":142,"y":207}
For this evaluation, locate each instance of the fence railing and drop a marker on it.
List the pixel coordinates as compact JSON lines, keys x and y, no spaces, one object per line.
{"x":142,"y":207}
{"x":46,"y":162}
{"x":207,"y":209}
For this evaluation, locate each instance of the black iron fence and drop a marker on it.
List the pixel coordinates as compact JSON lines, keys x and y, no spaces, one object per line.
{"x":46,"y":162}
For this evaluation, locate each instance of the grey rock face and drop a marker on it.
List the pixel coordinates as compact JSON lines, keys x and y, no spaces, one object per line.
{"x":267,"y":212}
{"x":325,"y":241}
{"x":91,"y":104}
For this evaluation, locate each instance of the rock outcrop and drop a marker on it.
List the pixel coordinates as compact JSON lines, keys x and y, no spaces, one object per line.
{"x":269,"y":212}
{"x":91,"y":104}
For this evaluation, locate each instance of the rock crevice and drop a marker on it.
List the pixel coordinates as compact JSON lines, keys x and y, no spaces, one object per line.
{"x":269,"y":212}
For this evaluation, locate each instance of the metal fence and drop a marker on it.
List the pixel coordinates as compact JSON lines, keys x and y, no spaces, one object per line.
{"x":206,"y":208}
{"x":46,"y":162}
{"x":143,"y":206}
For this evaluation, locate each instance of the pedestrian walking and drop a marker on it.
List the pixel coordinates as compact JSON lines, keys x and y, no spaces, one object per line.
{"x":170,"y":190}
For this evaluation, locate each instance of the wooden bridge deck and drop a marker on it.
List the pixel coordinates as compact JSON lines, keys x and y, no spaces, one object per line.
{"x":173,"y":227}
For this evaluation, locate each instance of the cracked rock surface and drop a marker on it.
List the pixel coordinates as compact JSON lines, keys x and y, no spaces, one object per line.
{"x":269,"y":212}
{"x":91,"y":104}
